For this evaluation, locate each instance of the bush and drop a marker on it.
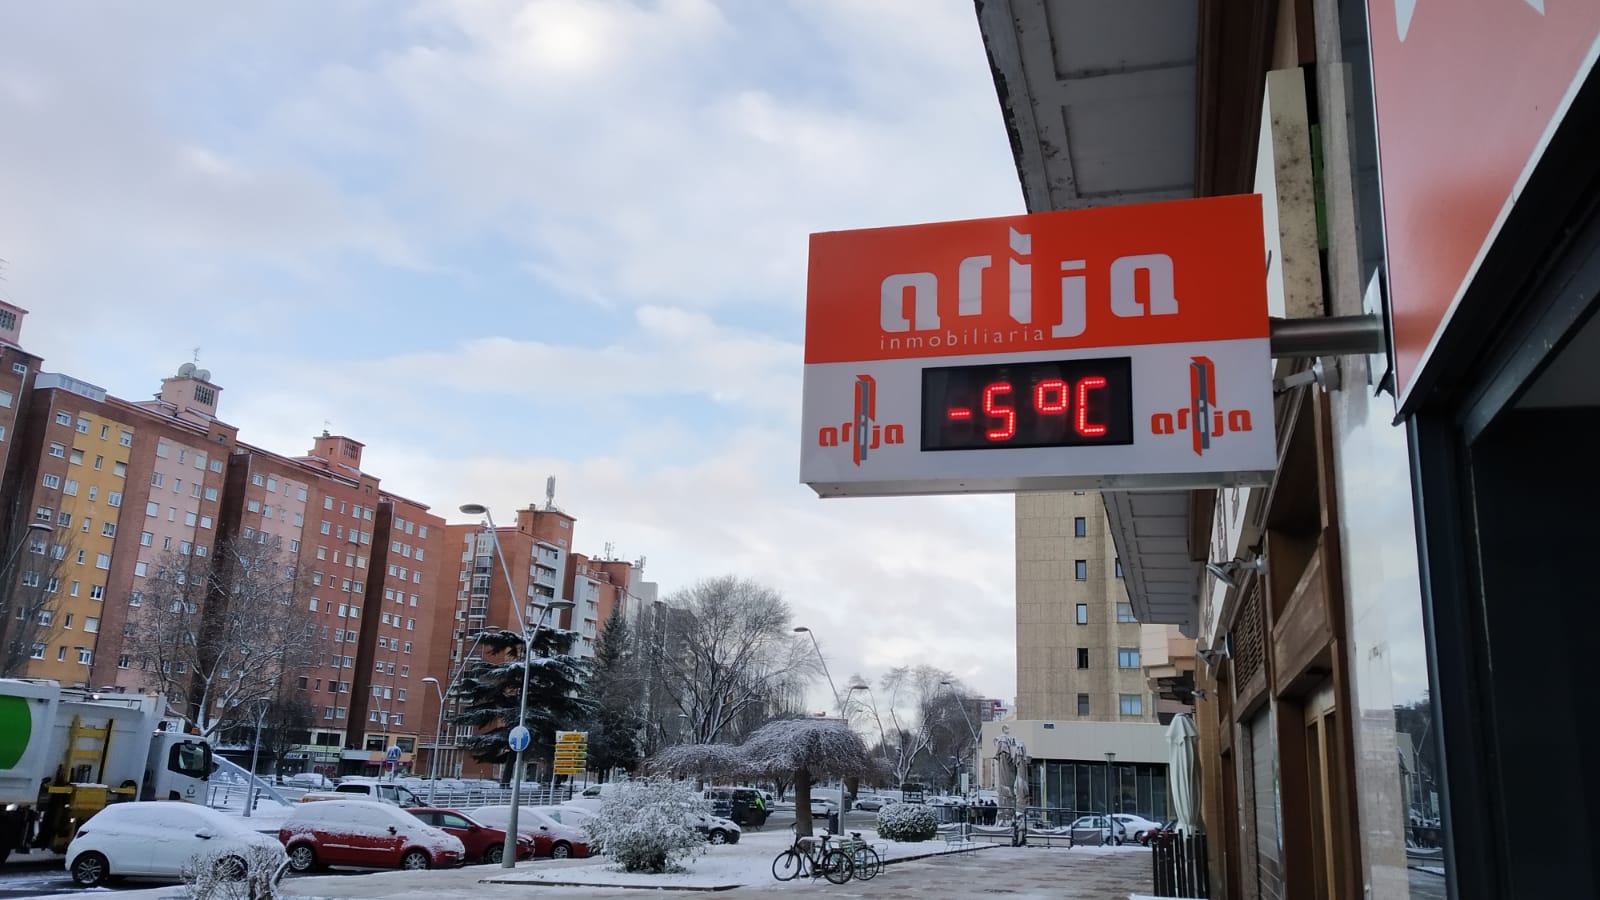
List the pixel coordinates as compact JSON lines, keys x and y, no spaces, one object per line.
{"x":216,"y":874}
{"x":907,"y":822}
{"x":644,"y":825}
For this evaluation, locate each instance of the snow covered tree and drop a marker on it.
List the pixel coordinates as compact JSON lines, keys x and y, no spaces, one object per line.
{"x":908,"y":691}
{"x":31,"y":585}
{"x":491,"y":693}
{"x":728,"y":649}
{"x":804,"y":749}
{"x":614,"y":689}
{"x":645,"y":825}
{"x":701,"y":761}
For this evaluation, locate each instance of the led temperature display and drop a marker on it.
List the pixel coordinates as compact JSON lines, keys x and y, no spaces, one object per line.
{"x":1058,"y":403}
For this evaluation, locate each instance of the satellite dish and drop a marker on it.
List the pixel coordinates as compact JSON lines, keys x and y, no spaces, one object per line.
{"x":186,"y":370}
{"x":203,"y":374}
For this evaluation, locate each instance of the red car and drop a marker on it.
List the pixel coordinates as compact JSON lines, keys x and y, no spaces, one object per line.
{"x":367,"y":834}
{"x":484,"y":844}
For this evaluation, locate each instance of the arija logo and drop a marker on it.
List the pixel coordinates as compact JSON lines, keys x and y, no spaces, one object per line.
{"x":862,"y":433}
{"x":922,"y":290}
{"x":1202,"y":419}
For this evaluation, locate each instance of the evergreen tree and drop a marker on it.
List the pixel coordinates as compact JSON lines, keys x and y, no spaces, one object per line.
{"x":615,"y":689}
{"x":491,"y":692}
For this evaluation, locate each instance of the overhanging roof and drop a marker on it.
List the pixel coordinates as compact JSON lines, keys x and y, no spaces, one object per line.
{"x":1100,"y":101}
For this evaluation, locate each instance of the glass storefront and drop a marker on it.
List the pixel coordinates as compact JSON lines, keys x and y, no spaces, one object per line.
{"x":1079,"y":788}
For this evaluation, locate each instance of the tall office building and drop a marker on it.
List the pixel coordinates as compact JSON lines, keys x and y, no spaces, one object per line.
{"x":1078,"y":644}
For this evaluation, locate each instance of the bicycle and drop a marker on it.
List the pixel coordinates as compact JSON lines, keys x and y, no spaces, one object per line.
{"x":814,"y":857}
{"x":866,"y":861}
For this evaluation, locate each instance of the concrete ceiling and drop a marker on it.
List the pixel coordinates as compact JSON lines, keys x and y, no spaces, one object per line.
{"x":1099,"y":99}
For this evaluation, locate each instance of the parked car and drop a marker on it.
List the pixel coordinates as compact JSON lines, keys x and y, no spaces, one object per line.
{"x":875,"y":802}
{"x":311,"y":781}
{"x":745,"y":806}
{"x":155,"y":839}
{"x":550,"y":836}
{"x":822,"y":806}
{"x":364,"y":833}
{"x":483,"y":843}
{"x":716,"y":829}
{"x":1169,"y":827}
{"x":1096,"y":830}
{"x":372,"y":789}
{"x":1135,"y":826}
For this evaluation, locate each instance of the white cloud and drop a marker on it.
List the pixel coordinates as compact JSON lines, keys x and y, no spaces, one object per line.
{"x":243,"y":182}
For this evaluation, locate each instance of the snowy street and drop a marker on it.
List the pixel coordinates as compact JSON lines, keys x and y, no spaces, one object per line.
{"x":1082,"y":873}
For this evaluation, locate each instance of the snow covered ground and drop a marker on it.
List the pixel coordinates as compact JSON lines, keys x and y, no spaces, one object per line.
{"x":744,"y":863}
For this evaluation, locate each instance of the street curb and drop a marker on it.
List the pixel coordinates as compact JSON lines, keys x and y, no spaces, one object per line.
{"x":712,"y":888}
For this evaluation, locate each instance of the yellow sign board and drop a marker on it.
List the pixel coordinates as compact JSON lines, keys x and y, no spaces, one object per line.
{"x":572,"y":737}
{"x":565,"y":770}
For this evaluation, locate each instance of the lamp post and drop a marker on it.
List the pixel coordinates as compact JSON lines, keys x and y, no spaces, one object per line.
{"x":1111,"y":824}
{"x":255,"y":753}
{"x":508,"y":859}
{"x":883,"y":739}
{"x":438,"y":738}
{"x":977,"y":744}
{"x":801,"y":629}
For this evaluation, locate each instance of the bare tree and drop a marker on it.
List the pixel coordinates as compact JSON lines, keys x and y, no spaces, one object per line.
{"x":31,"y":585}
{"x":909,"y":690}
{"x":729,"y":650}
{"x":221,"y":633}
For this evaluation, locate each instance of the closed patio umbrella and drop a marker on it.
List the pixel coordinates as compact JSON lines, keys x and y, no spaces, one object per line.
{"x":1183,"y":772}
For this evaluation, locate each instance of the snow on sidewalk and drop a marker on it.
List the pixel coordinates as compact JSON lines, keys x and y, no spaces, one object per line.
{"x":721,"y":867}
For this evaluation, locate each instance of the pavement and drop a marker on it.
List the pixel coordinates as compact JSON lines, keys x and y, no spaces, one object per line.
{"x":1020,"y":873}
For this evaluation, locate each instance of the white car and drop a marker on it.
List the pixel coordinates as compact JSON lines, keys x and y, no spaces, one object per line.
{"x":155,"y":839}
{"x":544,"y":826}
{"x":1134,"y":826}
{"x":311,"y":781}
{"x":822,"y":806}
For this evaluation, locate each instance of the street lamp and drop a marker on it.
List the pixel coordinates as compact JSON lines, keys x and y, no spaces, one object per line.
{"x":977,"y":743}
{"x":438,"y":738}
{"x":508,"y":859}
{"x":1111,"y":824}
{"x":801,"y":629}
{"x":255,"y":753}
{"x":44,"y":527}
{"x":883,"y":739}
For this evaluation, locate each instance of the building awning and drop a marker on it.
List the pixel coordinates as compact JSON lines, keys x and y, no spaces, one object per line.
{"x":1100,"y":102}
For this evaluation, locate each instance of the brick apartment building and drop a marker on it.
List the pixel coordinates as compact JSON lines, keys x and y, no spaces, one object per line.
{"x":96,"y":491}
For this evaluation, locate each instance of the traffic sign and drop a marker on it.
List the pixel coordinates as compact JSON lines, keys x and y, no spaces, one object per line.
{"x":393,"y":755}
{"x":572,"y":737}
{"x":568,"y":770}
{"x":518,"y":738}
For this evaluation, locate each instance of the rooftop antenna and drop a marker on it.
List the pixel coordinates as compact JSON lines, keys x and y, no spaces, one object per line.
{"x":609,"y":546}
{"x":550,"y":492}
{"x":197,"y":356}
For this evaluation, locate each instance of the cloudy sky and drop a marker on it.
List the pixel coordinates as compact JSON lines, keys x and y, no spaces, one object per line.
{"x":503,"y":239}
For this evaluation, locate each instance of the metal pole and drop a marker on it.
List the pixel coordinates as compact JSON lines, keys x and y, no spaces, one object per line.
{"x":438,"y":738}
{"x":1111,"y":824}
{"x":1326,"y":336}
{"x":836,"y":702}
{"x":255,"y":752}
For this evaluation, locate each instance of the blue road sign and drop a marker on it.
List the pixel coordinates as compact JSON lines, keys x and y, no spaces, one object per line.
{"x":518,"y":739}
{"x":393,"y":755}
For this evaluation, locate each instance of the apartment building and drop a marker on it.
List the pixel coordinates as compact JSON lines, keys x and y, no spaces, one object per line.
{"x":1079,"y":649}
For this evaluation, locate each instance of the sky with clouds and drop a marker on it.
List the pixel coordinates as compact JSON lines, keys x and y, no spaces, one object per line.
{"x":503,"y":239}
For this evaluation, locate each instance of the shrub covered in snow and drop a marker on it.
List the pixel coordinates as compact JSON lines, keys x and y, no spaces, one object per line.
{"x":907,"y":822}
{"x":234,"y":874}
{"x":645,"y":825}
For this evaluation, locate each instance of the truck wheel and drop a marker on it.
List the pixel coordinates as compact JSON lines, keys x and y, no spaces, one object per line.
{"x":90,"y":869}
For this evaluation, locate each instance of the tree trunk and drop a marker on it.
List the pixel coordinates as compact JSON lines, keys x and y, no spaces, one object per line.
{"x":802,"y":802}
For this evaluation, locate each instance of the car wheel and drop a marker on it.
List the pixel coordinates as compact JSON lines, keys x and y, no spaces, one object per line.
{"x":561,"y":850}
{"x":494,"y":854}
{"x":718,"y":836}
{"x":415,"y":859}
{"x":302,"y":858}
{"x":232,"y":868}
{"x":90,"y":869}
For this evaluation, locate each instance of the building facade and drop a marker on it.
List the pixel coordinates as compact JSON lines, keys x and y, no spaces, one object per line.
{"x":1373,"y":622}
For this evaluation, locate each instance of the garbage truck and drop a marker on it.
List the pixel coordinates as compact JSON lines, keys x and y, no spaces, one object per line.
{"x":67,"y":753}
